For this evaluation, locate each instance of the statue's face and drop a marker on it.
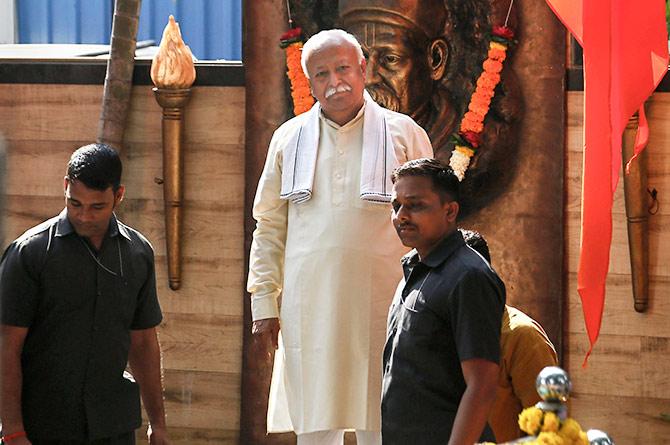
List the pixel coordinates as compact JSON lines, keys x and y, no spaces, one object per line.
{"x":398,"y":76}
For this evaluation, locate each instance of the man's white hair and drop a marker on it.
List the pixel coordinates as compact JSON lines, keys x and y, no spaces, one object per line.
{"x":329,"y":37}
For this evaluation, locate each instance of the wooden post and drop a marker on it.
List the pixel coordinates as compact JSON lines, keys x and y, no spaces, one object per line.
{"x":637,"y":214}
{"x":264,"y":22}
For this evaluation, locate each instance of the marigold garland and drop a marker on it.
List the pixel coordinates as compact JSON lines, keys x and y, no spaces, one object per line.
{"x":548,"y":429}
{"x":301,"y":94}
{"x":468,"y":138}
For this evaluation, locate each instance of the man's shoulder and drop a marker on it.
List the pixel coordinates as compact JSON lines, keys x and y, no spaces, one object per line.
{"x":522,"y":324}
{"x":468,"y":268}
{"x":400,"y":119}
{"x":468,"y":261}
{"x":136,"y":237}
{"x":406,"y":133}
{"x":291,"y":125}
{"x":37,"y":234}
{"x":33,"y":243}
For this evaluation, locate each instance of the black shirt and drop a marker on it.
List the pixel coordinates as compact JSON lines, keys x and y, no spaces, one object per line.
{"x":79,"y":315}
{"x":447,"y":309}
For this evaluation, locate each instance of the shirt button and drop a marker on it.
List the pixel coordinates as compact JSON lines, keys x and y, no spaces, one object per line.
{"x":95,"y":328}
{"x":338,"y":176}
{"x":341,"y":152}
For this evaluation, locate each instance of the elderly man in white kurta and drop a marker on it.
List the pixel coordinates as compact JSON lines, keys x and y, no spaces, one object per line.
{"x":324,"y":242}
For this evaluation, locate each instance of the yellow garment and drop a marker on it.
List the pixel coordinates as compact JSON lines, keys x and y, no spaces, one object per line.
{"x":336,"y":261}
{"x":524,"y":349}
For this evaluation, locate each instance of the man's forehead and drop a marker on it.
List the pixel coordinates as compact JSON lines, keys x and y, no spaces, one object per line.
{"x":410,"y":187}
{"x":79,"y":191}
{"x":332,"y":53}
{"x":336,"y":46}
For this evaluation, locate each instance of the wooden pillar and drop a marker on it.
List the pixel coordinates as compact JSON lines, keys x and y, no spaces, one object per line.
{"x":524,"y":227}
{"x":266,"y":109}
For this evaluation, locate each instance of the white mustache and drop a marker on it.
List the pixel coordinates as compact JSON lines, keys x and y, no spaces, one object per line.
{"x":344,"y":88}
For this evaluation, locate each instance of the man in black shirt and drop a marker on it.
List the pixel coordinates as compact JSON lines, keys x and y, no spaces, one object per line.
{"x":77,"y":304}
{"x":443,"y":340}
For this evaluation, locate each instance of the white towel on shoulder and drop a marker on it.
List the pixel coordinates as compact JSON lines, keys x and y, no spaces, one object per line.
{"x":377,"y":163}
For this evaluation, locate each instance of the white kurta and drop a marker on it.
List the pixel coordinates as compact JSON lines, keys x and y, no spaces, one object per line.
{"x":335,"y":261}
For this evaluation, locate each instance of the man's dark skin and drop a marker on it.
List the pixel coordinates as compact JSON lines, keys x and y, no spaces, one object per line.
{"x":89,"y":211}
{"x":423,"y":218}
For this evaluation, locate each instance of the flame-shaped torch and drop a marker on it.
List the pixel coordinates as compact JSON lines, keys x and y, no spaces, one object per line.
{"x":173,"y":73}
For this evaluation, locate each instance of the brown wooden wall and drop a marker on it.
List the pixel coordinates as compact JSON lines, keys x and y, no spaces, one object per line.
{"x":201,"y":334}
{"x":625,"y":390}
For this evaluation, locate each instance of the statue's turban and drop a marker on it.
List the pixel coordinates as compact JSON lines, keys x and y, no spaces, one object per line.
{"x":424,"y":15}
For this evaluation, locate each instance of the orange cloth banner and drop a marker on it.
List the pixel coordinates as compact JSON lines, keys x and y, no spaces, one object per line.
{"x":625,"y":57}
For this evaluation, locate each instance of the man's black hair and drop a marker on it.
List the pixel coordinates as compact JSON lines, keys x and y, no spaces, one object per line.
{"x":475,"y":240}
{"x":444,"y":180}
{"x":97,"y":166}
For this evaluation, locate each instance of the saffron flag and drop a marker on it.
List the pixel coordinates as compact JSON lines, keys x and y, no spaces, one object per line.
{"x":625,"y":57}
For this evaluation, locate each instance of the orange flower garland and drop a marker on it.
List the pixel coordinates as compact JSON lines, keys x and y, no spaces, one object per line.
{"x":468,"y":138}
{"x":300,"y":91}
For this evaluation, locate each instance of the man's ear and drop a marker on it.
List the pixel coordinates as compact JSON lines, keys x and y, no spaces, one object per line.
{"x":438,"y":56}
{"x":120,"y":193}
{"x":66,"y":181}
{"x":451,"y":211}
{"x":364,"y":64}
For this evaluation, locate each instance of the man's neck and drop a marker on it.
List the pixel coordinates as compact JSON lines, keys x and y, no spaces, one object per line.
{"x":424,"y":251}
{"x":344,"y":117}
{"x":96,"y":242}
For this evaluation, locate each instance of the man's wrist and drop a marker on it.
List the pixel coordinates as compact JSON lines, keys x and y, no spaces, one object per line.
{"x":263,"y":307}
{"x":8,"y":438}
{"x":157,"y":426}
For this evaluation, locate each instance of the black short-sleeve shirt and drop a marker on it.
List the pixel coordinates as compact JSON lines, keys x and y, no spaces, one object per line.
{"x":447,"y":309}
{"x":79,"y":313}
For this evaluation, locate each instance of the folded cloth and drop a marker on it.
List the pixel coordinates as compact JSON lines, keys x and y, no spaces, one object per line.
{"x":377,"y":162}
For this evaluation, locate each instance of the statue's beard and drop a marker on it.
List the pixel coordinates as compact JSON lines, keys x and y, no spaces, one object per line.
{"x":384,"y":97}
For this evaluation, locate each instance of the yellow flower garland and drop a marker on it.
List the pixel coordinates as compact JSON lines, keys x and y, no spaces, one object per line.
{"x":549,"y":429}
{"x":468,"y":138}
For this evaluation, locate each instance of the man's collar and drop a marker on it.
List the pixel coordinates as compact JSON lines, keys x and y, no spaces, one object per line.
{"x":115,"y":228}
{"x":65,"y":228}
{"x":439,"y":254}
{"x":337,"y":126}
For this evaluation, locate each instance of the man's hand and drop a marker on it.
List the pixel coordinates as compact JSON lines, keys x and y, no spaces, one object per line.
{"x":481,"y":380}
{"x":145,"y":361}
{"x":267,"y":330}
{"x":157,"y":436}
{"x":11,"y":382}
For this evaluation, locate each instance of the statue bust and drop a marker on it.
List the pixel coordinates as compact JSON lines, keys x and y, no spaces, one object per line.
{"x":424,"y":57}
